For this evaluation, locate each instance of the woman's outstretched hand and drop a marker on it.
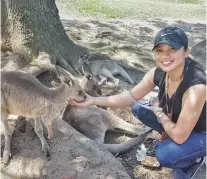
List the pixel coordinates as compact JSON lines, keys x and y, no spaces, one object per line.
{"x":87,"y":102}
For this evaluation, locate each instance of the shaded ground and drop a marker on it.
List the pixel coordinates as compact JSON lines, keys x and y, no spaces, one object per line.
{"x":74,"y":156}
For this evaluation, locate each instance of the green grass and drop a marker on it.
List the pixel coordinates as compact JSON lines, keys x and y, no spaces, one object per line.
{"x":191,"y":1}
{"x":95,"y":7}
{"x":137,"y":9}
{"x":98,"y":8}
{"x":187,"y":1}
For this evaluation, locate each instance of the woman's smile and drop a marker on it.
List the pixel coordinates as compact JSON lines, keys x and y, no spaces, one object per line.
{"x":167,"y":63}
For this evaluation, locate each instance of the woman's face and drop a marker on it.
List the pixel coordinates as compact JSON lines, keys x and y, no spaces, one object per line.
{"x":168,"y":58}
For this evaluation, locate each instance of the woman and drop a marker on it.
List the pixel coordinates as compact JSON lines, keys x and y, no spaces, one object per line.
{"x":182,"y":98}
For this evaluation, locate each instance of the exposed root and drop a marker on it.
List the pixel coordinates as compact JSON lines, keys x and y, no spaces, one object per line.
{"x":103,"y":34}
{"x":63,"y":63}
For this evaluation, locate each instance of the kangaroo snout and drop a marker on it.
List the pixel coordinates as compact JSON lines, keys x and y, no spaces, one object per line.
{"x":99,"y":92}
{"x":84,"y":97}
{"x":80,"y":97}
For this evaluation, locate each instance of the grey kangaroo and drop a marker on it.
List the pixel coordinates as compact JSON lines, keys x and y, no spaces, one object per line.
{"x":94,"y":122}
{"x":23,"y":95}
{"x":103,"y":69}
{"x":90,"y":86}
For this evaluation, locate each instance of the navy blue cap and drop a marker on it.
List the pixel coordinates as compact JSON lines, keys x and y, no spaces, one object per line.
{"x":173,"y":36}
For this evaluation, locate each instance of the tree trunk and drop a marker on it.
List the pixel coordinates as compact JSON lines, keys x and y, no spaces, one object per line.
{"x":34,"y":26}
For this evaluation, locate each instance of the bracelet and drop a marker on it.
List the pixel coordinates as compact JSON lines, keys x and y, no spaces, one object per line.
{"x":160,"y":114}
{"x":132,"y":96}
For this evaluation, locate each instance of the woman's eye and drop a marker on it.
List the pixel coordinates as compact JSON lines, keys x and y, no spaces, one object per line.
{"x":172,"y":49}
{"x":158,"y":50}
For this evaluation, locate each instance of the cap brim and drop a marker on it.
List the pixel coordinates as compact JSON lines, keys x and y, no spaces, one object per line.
{"x":173,"y":44}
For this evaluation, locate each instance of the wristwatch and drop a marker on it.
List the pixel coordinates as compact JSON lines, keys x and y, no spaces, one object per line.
{"x":160,"y":114}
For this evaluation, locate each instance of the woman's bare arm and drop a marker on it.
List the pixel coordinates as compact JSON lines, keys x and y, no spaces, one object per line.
{"x":123,"y":99}
{"x":192,"y":105}
{"x":126,"y":99}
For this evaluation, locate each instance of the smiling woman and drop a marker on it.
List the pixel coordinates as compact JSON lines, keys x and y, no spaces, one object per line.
{"x":171,"y":49}
{"x":182,"y":103}
{"x":181,"y":84}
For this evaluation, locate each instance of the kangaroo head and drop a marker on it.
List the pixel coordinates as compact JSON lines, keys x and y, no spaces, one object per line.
{"x":81,"y":61}
{"x":76,"y":93}
{"x":90,"y":86}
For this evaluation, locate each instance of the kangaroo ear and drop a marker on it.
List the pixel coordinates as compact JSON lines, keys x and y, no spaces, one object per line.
{"x":86,"y":61}
{"x":89,"y":76}
{"x":67,"y":81}
{"x":83,"y":70}
{"x":65,"y":76}
{"x":86,"y":58}
{"x":71,"y":83}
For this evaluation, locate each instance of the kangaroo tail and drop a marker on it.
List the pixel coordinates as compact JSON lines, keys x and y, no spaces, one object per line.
{"x":118,"y":149}
{"x":125,"y":75}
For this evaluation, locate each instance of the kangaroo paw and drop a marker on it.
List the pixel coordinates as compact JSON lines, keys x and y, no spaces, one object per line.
{"x":45,"y":149}
{"x":117,"y":82}
{"x":6,"y":156}
{"x":103,"y":80}
{"x":50,"y":134}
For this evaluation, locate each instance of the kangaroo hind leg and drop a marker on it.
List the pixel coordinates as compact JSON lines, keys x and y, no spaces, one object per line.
{"x":8,"y":136}
{"x":108,"y":74}
{"x":39,"y":132}
{"x":99,"y":138}
{"x":48,"y":124}
{"x":103,"y":80}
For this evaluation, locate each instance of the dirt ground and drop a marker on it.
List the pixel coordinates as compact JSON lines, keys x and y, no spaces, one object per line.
{"x":127,"y":42}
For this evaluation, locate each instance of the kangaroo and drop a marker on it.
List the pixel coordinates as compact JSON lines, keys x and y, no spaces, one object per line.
{"x":94,"y":122}
{"x":23,"y":95}
{"x":90,"y":86}
{"x":104,"y":69}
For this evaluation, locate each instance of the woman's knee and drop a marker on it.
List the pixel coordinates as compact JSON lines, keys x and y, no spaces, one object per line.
{"x":138,"y":110}
{"x":135,"y":109}
{"x":164,"y":155}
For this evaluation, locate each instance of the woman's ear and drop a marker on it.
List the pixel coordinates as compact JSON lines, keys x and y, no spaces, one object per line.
{"x":187,"y":52}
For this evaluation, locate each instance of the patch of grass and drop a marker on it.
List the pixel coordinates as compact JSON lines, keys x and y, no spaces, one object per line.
{"x":97,"y":7}
{"x":191,"y":1}
{"x":187,"y":1}
{"x":137,"y":9}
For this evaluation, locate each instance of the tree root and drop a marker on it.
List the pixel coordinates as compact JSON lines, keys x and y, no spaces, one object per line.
{"x":64,"y":64}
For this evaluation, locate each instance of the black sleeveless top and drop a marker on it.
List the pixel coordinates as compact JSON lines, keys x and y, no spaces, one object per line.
{"x":193,"y":75}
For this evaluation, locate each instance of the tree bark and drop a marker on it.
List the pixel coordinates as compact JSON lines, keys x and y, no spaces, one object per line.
{"x":34,"y":26}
